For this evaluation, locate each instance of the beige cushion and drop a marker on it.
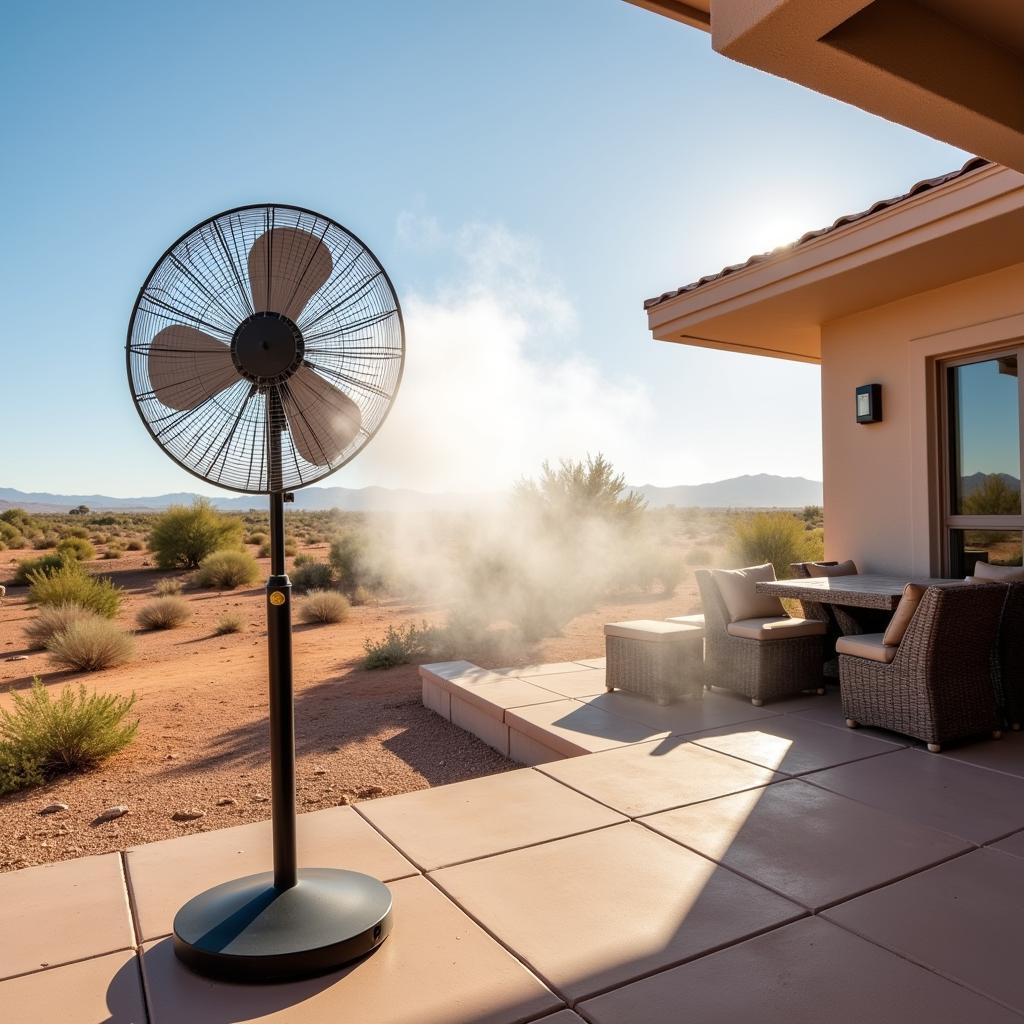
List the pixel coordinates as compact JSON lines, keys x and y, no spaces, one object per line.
{"x":847,"y":568}
{"x":653,"y":630}
{"x":1002,"y":573}
{"x":687,"y":620}
{"x":775,"y":628}
{"x":912,"y":594}
{"x":741,"y":599}
{"x":866,"y":645}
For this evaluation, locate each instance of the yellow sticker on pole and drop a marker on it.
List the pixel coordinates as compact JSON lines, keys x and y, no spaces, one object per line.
{"x":277,"y":597}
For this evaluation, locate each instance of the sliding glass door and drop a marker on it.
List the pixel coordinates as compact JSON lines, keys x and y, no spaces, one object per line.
{"x":983,"y":519}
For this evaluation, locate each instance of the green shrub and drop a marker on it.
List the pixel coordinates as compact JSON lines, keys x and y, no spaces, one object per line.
{"x":136,"y":545}
{"x":77,"y":548}
{"x":91,"y":644}
{"x":400,"y":645}
{"x":75,"y":533}
{"x":51,"y":620}
{"x":184,"y":535}
{"x":27,"y":566}
{"x":227,"y":570}
{"x":164,"y":613}
{"x":167,"y":587}
{"x":256,"y":538}
{"x":229,"y":622}
{"x":312,"y":576}
{"x":776,"y":537}
{"x":70,"y":583}
{"x":11,"y":536}
{"x":321,"y":606}
{"x":42,"y":737}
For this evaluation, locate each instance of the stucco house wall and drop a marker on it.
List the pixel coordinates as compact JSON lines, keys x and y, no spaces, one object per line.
{"x":882,"y":500}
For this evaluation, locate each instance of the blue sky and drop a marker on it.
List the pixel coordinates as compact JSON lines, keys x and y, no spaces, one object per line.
{"x":527,"y":170}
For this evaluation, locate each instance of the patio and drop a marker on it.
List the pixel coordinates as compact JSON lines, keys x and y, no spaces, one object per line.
{"x":704,"y":859}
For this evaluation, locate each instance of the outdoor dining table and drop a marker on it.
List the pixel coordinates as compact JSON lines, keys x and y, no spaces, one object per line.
{"x":858,"y":591}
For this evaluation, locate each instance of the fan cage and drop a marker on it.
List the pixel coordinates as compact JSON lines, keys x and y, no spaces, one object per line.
{"x":354,"y":339}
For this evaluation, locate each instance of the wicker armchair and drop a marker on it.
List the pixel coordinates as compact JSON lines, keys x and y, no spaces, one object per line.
{"x":1011,"y":656}
{"x":939,"y":686}
{"x":759,"y":669}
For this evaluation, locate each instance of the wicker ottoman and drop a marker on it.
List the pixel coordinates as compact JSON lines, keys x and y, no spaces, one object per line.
{"x":663,"y":660}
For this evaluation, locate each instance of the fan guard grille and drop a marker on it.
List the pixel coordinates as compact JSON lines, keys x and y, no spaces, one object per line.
{"x":352,"y":332}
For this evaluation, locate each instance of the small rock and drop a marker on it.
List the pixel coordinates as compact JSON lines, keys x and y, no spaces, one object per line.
{"x":53,"y":808}
{"x":343,"y":800}
{"x":187,"y":815}
{"x":170,"y":757}
{"x":110,"y":814}
{"x":259,"y":798}
{"x":226,"y":801}
{"x":319,"y":771}
{"x":368,"y":791}
{"x":17,"y":657}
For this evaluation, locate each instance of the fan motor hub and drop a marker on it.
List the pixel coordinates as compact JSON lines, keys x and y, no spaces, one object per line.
{"x":267,"y":348}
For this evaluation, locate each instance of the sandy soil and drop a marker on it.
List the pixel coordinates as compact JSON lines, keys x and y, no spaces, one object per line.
{"x":202,"y":712}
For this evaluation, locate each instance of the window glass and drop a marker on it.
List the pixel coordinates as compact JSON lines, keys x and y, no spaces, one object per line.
{"x":997,"y":547}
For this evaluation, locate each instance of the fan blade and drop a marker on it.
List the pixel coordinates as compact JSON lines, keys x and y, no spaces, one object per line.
{"x":188,"y":367}
{"x":322,"y":419}
{"x":286,"y":267}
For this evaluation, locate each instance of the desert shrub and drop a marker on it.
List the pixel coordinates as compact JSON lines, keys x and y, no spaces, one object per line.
{"x":164,"y":613}
{"x":776,"y":537}
{"x":671,"y":574}
{"x":77,"y":548}
{"x":303,"y":559}
{"x":91,"y":644}
{"x":400,"y":645}
{"x":361,"y":595}
{"x":167,"y":587}
{"x":27,"y":566}
{"x":585,"y":487}
{"x":184,"y":535}
{"x":70,"y":583}
{"x":312,"y":575}
{"x":100,"y":538}
{"x":52,"y":619}
{"x":323,"y":606}
{"x":75,"y":533}
{"x":10,"y":535}
{"x":264,"y":550}
{"x":16,"y":517}
{"x":136,"y":545}
{"x":113,"y":551}
{"x":41,"y":737}
{"x":698,"y":556}
{"x":256,"y":538}
{"x":227,"y":570}
{"x":45,"y":541}
{"x":353,"y":567}
{"x":229,"y":622}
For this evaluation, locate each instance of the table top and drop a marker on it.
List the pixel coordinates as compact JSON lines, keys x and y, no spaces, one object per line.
{"x":860,"y":591}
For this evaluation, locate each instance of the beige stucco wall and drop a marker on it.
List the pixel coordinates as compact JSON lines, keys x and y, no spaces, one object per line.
{"x":880,"y":486}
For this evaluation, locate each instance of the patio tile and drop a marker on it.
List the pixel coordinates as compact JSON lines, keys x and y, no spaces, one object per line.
{"x":164,"y":875}
{"x":562,"y":1017}
{"x":574,"y":684}
{"x":467,"y":820}
{"x":792,"y":744}
{"x":811,"y":846}
{"x":973,"y":803}
{"x":593,"y":662}
{"x":1011,"y":844}
{"x":105,"y":988}
{"x":958,"y":919}
{"x":436,"y":967}
{"x":1005,"y":755}
{"x":685,"y":716}
{"x":493,"y":693}
{"x":442,"y":670}
{"x":828,"y":710}
{"x":805,"y":973}
{"x":651,"y":777}
{"x":554,"y":668}
{"x":572,"y":727}
{"x":602,"y":908}
{"x":56,"y":913}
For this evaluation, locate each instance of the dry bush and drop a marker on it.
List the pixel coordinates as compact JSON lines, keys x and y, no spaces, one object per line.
{"x":41,"y":737}
{"x":27,"y":566}
{"x":91,"y":644}
{"x":167,"y":587}
{"x":72,"y":584}
{"x":136,"y":545}
{"x":164,"y":613}
{"x":229,"y":622}
{"x":228,"y":570}
{"x":310,"y":575}
{"x":51,"y":620}
{"x":321,"y":606}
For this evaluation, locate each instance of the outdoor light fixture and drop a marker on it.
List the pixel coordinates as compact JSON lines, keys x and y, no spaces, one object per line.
{"x":869,"y":403}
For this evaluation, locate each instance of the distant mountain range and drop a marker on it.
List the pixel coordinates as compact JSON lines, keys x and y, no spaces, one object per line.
{"x":760,"y":491}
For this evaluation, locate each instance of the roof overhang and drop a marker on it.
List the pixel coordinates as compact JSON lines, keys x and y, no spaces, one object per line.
{"x":953,"y":69}
{"x":972,"y":225}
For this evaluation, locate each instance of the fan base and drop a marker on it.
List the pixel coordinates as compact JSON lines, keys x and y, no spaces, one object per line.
{"x":248,"y":931}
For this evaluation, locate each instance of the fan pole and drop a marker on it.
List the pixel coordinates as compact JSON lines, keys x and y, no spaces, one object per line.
{"x":282,"y":706}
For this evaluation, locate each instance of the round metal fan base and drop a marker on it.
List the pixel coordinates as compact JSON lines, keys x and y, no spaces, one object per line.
{"x":267,"y":348}
{"x":248,"y":931}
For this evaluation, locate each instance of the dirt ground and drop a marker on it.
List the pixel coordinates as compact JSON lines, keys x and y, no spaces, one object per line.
{"x":202,"y":707}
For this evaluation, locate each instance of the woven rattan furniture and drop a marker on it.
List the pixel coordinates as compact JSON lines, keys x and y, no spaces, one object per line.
{"x":1011,"y":656}
{"x":759,"y":669}
{"x":660,"y":660}
{"x":939,"y":685}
